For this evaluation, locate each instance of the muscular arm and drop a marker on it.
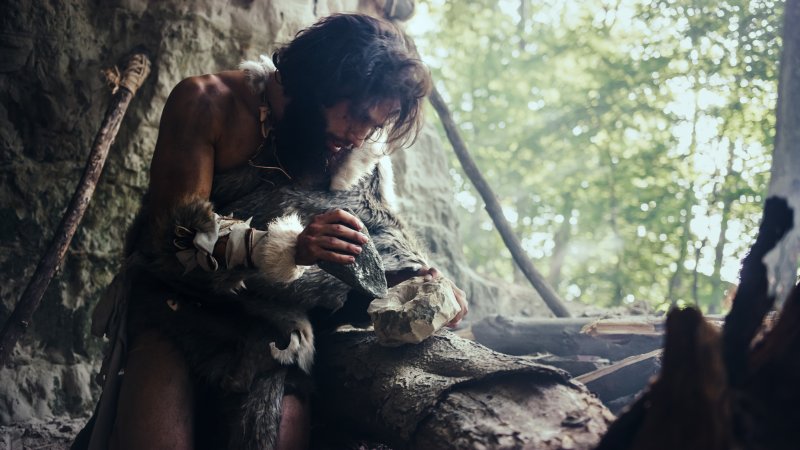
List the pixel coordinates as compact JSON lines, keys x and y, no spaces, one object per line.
{"x":188,"y":151}
{"x":201,"y":126}
{"x":183,"y":162}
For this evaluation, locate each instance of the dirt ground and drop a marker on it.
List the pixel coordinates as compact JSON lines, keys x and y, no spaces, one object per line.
{"x":52,"y":434}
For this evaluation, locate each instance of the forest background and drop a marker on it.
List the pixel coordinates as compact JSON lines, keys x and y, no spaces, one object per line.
{"x":628,"y":141}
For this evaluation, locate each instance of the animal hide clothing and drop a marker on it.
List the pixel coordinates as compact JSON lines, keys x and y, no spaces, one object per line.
{"x":244,"y":325}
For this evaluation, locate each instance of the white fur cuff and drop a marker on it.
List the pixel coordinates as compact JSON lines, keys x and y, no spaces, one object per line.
{"x":274,"y":253}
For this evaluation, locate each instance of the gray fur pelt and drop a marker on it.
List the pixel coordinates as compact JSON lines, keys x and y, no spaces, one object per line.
{"x":397,"y":246}
{"x":235,"y":341}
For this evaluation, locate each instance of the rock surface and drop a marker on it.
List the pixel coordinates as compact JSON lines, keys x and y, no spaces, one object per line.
{"x":52,"y":434}
{"x":413,"y":310}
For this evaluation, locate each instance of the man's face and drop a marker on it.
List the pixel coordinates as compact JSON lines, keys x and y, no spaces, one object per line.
{"x":347,"y":128}
{"x":314,"y":142}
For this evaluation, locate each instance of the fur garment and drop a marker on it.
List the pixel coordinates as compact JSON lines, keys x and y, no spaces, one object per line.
{"x":240,"y":327}
{"x":236,"y":341}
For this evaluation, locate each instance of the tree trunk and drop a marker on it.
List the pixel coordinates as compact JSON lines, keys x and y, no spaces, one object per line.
{"x":511,"y":240}
{"x":785,"y":182}
{"x":561,"y":241}
{"x":719,"y":250}
{"x":451,"y":393}
{"x":698,"y":253}
{"x":675,"y":279}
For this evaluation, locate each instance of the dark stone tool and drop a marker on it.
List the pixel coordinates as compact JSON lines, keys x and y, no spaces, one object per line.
{"x":366,"y":274}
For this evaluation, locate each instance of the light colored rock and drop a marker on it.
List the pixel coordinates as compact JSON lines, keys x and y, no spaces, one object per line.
{"x":413,"y":310}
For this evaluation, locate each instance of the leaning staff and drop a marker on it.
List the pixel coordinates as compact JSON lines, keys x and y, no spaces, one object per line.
{"x":125,"y":86}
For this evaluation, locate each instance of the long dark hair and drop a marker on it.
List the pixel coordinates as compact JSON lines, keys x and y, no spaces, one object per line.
{"x":358,"y":58}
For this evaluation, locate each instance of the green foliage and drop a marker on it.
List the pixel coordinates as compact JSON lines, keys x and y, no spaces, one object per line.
{"x":629,"y":141}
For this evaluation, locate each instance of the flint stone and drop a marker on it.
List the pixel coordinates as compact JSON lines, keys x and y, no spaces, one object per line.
{"x":366,"y":275}
{"x":413,"y":311}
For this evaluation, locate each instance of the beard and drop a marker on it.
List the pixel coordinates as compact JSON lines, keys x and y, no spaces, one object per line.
{"x":300,"y":140}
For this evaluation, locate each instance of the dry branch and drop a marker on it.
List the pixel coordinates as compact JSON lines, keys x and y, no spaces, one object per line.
{"x":125,"y":88}
{"x":623,"y":378}
{"x":613,"y":339}
{"x":495,"y":211}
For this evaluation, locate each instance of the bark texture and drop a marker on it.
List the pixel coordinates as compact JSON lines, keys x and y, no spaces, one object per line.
{"x":452,"y":393}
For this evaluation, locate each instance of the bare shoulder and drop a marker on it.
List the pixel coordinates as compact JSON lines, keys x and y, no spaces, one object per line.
{"x":207,"y":103}
{"x":199,"y":99}
{"x":194,"y":138}
{"x":184,"y":157}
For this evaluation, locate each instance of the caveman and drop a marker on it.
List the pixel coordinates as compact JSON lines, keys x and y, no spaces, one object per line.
{"x":312,"y":112}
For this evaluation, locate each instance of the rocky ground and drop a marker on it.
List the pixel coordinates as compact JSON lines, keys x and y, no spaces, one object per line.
{"x":58,"y":433}
{"x":52,"y":434}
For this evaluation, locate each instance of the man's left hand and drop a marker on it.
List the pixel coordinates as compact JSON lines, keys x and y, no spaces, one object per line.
{"x":461,"y":296}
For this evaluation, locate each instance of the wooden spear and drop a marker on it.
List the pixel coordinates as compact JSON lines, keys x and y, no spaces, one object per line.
{"x":125,"y":86}
{"x":539,"y":283}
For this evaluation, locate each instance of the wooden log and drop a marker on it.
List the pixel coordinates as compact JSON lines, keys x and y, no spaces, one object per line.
{"x":451,"y":393}
{"x":624,"y":378}
{"x":613,"y":339}
{"x":125,"y":88}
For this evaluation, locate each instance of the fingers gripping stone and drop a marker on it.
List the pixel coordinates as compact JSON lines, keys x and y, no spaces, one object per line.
{"x":413,"y":311}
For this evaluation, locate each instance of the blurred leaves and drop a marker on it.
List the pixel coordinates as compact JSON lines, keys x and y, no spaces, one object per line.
{"x":620,"y":134}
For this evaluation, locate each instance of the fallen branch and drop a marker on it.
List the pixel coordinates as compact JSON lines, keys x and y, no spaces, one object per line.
{"x":125,"y":87}
{"x":623,"y":378}
{"x":539,"y":283}
{"x":613,"y":339}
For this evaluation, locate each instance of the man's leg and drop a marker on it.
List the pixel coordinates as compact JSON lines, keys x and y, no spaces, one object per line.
{"x":155,"y":402}
{"x":295,"y":427}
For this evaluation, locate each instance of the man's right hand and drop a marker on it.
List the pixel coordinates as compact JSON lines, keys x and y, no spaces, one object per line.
{"x":332,"y":236}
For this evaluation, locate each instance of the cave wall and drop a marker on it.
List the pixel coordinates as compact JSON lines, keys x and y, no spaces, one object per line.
{"x":52,"y":101}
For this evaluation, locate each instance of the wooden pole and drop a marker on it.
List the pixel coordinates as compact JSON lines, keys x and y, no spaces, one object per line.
{"x":125,"y":86}
{"x":539,"y":283}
